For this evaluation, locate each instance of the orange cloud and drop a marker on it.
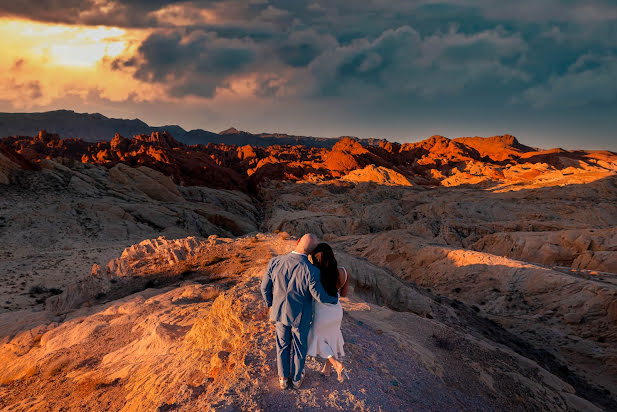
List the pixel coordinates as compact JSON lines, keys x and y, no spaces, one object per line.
{"x":183,"y":15}
{"x":43,"y":61}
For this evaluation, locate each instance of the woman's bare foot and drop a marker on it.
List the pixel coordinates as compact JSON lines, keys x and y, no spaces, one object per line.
{"x":342,"y":372}
{"x":325,"y":371}
{"x":339,"y":368}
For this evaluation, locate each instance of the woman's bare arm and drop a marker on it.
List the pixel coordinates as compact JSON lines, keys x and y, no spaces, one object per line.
{"x":345,"y":287}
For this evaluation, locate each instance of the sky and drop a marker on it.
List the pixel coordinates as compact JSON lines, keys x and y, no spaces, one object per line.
{"x":542,"y":70}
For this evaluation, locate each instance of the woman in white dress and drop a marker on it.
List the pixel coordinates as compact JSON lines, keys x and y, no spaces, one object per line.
{"x":325,"y":338}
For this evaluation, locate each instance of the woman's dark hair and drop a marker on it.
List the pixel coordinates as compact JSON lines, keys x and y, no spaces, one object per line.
{"x":323,"y":258}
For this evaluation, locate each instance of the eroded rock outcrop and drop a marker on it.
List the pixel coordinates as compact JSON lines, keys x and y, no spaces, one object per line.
{"x":6,"y":167}
{"x":572,"y":314}
{"x":594,"y":249}
{"x":379,"y":175}
{"x":11,"y":162}
{"x":57,"y":222}
{"x":496,"y":147}
{"x":451,"y":216}
{"x":496,"y":161}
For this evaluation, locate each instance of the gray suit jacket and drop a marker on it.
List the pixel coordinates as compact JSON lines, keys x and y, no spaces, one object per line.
{"x":289,"y":286}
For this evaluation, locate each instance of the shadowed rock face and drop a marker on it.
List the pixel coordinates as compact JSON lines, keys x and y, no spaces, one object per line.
{"x":569,"y":313}
{"x":583,"y":249}
{"x":481,"y":268}
{"x":94,"y":127}
{"x":158,"y":151}
{"x":57,"y":222}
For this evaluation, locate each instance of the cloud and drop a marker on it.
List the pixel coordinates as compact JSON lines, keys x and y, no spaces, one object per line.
{"x":302,"y":47}
{"x":413,"y":51}
{"x":401,"y":62}
{"x":347,"y":13}
{"x":273,"y":13}
{"x":27,"y":90}
{"x":398,"y":62}
{"x":590,"y":11}
{"x":193,"y":63}
{"x":179,"y":15}
{"x":89,"y":12}
{"x":46,"y":61}
{"x":591,"y":79}
{"x":118,"y":13}
{"x":46,"y":10}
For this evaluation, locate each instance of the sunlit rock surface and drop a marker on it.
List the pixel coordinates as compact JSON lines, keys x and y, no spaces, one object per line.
{"x":499,"y":161}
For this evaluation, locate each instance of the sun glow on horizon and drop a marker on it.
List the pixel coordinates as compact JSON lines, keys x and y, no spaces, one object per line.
{"x":62,"y":45}
{"x":43,"y":62}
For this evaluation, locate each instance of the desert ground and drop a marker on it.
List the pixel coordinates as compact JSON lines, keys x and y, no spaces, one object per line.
{"x":484,"y":273}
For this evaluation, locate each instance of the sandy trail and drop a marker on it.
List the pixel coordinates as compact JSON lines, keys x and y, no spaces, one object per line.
{"x":382,"y":377}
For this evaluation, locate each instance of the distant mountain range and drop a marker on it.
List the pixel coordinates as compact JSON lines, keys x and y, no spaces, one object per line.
{"x":95,"y":127}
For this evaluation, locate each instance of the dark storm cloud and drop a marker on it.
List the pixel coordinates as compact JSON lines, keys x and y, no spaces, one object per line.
{"x":591,"y":79}
{"x":120,"y":13}
{"x":302,"y":47}
{"x":66,"y":11}
{"x":547,"y":53}
{"x":192,"y":63}
{"x":402,"y":62}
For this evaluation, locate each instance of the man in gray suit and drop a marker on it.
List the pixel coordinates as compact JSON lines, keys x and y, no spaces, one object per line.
{"x":288,"y":287}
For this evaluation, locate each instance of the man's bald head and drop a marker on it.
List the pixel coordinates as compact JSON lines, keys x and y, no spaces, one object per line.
{"x":307,"y":243}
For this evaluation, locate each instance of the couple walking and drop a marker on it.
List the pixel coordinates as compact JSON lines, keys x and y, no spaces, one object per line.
{"x":302,"y":290}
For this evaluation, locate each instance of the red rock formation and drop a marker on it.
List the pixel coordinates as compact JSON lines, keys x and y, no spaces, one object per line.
{"x":436,"y":160}
{"x":16,"y":158}
{"x":496,"y":147}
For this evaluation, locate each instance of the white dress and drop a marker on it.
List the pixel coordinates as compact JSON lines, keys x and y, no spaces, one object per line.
{"x":325,"y":338}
